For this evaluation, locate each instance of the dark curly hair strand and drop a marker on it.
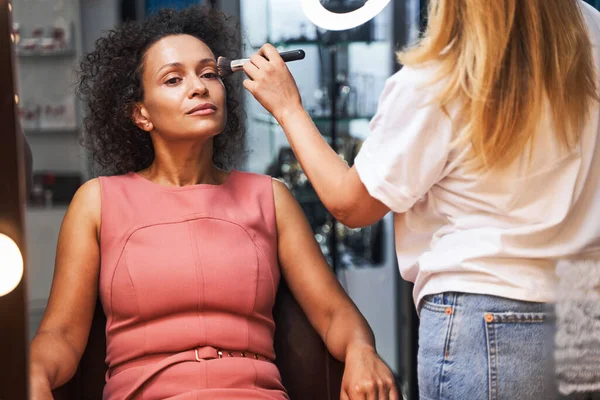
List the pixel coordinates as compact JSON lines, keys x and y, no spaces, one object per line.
{"x":110,"y":84}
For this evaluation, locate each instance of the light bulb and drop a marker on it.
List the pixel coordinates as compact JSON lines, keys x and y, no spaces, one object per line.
{"x":11,"y":265}
{"x":320,"y":16}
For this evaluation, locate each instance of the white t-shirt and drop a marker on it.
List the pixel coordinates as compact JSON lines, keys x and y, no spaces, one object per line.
{"x":498,"y":233}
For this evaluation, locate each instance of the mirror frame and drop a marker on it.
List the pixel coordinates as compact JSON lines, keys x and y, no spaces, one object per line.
{"x":14,"y":340}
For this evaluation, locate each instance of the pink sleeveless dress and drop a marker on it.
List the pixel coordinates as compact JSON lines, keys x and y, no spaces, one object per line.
{"x":186,"y":271}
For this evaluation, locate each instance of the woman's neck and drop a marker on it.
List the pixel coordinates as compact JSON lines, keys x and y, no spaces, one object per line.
{"x":184,"y":165}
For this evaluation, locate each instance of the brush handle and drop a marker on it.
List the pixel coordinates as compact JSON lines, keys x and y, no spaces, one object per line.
{"x":292,"y":55}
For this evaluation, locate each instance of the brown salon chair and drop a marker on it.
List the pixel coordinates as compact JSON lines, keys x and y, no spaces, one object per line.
{"x":308,"y":371}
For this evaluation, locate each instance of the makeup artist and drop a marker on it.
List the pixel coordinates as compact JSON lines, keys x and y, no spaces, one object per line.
{"x":485,"y":148}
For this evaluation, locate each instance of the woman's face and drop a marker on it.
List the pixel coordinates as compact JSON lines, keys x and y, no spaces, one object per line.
{"x":184,"y":97}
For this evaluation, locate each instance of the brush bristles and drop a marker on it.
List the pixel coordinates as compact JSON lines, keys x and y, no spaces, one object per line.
{"x":224,"y":67}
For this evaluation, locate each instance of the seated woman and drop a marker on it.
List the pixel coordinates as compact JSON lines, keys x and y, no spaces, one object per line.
{"x":186,"y":257}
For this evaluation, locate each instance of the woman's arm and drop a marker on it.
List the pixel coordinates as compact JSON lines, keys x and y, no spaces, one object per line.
{"x":329,"y":309}
{"x":62,"y":336}
{"x":338,"y":186}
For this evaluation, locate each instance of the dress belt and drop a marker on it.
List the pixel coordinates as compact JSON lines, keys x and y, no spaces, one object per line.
{"x":164,"y":361}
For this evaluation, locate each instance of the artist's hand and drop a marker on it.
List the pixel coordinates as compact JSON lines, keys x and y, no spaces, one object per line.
{"x":367,"y":377}
{"x":272,"y":84}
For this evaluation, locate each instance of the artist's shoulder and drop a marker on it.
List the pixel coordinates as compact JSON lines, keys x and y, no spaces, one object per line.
{"x":591,"y":17}
{"x":417,"y":75}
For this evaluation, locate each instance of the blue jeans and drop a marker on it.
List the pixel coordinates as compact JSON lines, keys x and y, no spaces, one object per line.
{"x":474,"y":347}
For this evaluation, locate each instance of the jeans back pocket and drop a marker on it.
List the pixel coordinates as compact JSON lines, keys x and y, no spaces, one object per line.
{"x":520,"y":347}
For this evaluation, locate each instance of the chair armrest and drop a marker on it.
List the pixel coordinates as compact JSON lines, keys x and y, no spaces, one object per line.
{"x":307,"y":369}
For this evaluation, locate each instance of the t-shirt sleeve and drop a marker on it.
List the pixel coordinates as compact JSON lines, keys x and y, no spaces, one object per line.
{"x":409,"y":143}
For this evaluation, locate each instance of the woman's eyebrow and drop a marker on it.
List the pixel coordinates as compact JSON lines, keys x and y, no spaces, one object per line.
{"x":179,"y":65}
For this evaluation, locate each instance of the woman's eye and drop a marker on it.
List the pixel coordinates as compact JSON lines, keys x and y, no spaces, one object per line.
{"x":173,"y":81}
{"x":210,"y":75}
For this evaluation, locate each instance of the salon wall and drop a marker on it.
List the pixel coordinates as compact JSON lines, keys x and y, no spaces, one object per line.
{"x":44,"y":79}
{"x":48,"y":80}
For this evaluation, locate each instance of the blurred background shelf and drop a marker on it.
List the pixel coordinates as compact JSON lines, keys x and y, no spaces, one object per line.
{"x":51,"y":132}
{"x":46,"y":54}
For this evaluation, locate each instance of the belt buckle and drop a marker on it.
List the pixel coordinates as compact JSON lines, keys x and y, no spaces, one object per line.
{"x":200,"y":359}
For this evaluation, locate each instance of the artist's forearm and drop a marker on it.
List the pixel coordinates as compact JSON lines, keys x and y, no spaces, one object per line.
{"x":348,"y":330}
{"x":323,"y":167}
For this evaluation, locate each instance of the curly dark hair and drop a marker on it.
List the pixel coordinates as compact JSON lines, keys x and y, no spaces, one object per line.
{"x":110,"y":84}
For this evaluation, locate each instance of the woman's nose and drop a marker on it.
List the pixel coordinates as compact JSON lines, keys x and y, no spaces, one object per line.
{"x":198,"y":88}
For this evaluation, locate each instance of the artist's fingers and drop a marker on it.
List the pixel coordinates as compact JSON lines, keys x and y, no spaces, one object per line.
{"x":269,"y":52}
{"x":260,"y":62}
{"x":251,"y":70}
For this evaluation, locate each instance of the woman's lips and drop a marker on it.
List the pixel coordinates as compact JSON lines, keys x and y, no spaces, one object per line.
{"x":203,"y":109}
{"x":203,"y":112}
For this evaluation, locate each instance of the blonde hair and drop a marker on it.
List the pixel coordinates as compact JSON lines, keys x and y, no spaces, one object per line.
{"x":507,"y":60}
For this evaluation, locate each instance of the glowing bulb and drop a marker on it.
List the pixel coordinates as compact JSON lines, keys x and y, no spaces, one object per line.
{"x":16,"y":99}
{"x":11,"y":265}
{"x":9,"y":7}
{"x":12,"y":37}
{"x":326,"y":19}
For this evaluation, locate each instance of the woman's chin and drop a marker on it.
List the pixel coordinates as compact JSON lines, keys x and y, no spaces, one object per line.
{"x":202,"y":132}
{"x":207,"y":128}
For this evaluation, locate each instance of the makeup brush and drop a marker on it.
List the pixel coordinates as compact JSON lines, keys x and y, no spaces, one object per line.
{"x":227,"y":67}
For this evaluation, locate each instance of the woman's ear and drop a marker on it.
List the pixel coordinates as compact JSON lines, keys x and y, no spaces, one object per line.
{"x":141,"y":119}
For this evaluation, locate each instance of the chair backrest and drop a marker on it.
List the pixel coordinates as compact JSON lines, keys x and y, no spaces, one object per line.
{"x":307,"y":369}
